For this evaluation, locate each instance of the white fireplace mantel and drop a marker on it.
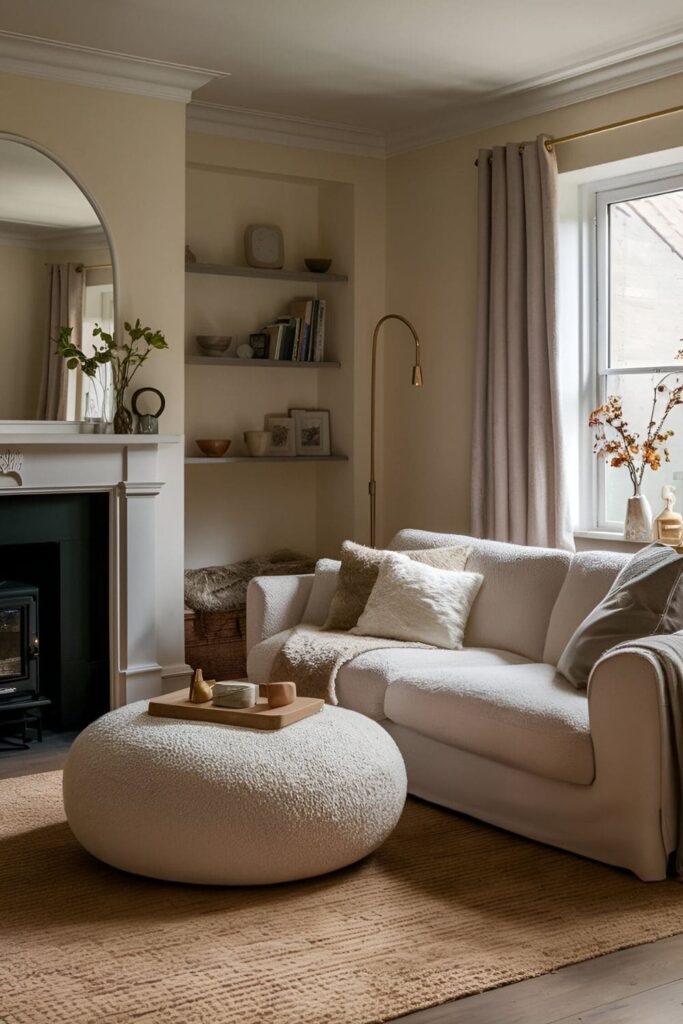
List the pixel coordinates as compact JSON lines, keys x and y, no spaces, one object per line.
{"x":127,"y":467}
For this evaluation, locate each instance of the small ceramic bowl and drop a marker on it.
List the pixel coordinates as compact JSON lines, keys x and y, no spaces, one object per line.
{"x":318,"y":266}
{"x":213,"y":448}
{"x":214,"y":344}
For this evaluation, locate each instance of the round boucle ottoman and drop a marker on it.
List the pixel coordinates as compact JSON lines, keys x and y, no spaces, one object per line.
{"x":219,"y":805}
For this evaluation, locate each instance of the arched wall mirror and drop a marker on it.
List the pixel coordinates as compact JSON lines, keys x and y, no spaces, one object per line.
{"x":56,"y":270}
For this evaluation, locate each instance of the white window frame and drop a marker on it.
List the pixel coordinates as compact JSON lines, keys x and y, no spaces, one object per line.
{"x":595,"y":199}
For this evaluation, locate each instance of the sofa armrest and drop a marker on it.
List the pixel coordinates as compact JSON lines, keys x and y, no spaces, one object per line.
{"x":275,"y":603}
{"x":631,"y":734}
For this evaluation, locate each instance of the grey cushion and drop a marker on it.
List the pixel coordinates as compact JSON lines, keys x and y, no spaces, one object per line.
{"x":646,"y":598}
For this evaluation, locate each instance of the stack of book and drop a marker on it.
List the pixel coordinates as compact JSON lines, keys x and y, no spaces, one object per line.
{"x":299,"y":336}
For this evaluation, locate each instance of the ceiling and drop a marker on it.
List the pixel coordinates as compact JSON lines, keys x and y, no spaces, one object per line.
{"x":36,"y":193}
{"x":382,"y":66}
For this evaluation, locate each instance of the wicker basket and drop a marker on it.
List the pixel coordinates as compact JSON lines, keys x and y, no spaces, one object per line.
{"x":216,"y":643}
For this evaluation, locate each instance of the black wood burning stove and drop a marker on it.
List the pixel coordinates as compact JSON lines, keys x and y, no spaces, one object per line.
{"x":19,"y":677}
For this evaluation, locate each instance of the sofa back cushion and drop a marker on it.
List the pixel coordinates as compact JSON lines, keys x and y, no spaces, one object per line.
{"x":323,"y":590}
{"x":645,"y":599}
{"x":520,"y":587}
{"x":590,"y":576}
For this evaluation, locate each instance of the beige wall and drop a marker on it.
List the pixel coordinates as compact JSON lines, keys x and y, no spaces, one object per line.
{"x":129,"y":152}
{"x":431,"y":249}
{"x":320,"y":199}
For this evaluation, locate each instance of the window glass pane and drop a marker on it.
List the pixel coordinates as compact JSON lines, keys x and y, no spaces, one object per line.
{"x":636,"y":395}
{"x":646,"y":280}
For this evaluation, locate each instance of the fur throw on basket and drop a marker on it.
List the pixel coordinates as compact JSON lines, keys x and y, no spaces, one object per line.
{"x":222,"y":588}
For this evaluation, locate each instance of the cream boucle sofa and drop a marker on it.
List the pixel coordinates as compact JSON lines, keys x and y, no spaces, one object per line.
{"x":493,"y":730}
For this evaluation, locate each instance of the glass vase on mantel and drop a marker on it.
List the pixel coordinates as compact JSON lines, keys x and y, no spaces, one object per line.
{"x":638,"y":522}
{"x":123,"y":417}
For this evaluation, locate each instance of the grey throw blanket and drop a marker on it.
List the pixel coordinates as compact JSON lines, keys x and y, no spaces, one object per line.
{"x":668,"y":650}
{"x":312,"y":658}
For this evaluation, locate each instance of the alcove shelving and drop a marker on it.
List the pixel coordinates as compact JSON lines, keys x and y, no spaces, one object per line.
{"x":205,"y":460}
{"x":239,"y":513}
{"x":218,"y":270}
{"x":260,"y":364}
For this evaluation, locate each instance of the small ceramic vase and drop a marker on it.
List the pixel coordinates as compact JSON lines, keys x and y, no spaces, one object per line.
{"x":638,"y":523}
{"x":257,"y":442}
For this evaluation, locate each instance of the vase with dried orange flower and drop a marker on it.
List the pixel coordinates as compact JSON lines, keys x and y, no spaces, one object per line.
{"x":620,"y":446}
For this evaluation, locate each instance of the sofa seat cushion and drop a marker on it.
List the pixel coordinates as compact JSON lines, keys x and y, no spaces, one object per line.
{"x":525,"y":716}
{"x":362,"y":683}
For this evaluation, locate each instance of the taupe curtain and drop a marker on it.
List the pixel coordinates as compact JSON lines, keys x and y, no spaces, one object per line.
{"x":518,"y":483}
{"x":65,"y":309}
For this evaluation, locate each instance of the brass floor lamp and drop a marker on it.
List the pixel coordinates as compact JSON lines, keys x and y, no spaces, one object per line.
{"x":417,"y":383}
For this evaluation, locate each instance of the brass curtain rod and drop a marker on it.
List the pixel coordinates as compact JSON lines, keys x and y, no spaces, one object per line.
{"x":92,"y":266}
{"x":553,"y":143}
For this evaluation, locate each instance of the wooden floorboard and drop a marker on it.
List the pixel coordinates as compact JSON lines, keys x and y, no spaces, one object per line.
{"x":642,"y":985}
{"x":47,"y":756}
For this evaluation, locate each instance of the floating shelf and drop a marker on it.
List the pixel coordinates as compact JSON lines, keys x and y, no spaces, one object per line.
{"x":203,"y":459}
{"x":256,"y":272}
{"x":282,"y":364}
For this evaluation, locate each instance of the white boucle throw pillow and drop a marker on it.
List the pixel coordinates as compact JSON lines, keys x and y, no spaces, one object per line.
{"x":412,"y":601}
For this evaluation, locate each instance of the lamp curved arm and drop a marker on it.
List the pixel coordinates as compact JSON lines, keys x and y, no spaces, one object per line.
{"x":417,"y":382}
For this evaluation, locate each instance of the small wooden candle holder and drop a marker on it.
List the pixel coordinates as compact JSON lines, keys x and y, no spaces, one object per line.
{"x":280,"y":694}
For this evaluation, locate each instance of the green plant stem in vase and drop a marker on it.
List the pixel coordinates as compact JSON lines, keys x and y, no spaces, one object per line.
{"x":621,"y":446}
{"x":125,"y":360}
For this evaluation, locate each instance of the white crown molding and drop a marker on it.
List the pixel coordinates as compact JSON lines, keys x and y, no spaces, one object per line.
{"x":100,"y":69}
{"x":623,"y":70}
{"x":651,"y":60}
{"x":48,"y":243}
{"x":283,"y":130}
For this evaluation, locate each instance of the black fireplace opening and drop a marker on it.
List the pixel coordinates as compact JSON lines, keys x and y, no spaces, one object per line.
{"x":54,"y":605}
{"x":19,"y":646}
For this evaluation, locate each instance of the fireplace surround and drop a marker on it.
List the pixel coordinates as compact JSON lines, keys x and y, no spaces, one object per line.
{"x":130,"y":472}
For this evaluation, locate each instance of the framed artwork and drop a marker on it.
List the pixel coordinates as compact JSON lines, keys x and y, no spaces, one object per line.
{"x":312,"y":429}
{"x":264,"y":246}
{"x":283,"y":440}
{"x":259,"y":344}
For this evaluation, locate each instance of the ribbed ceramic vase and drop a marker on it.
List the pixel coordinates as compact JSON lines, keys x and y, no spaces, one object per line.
{"x":638,"y":523}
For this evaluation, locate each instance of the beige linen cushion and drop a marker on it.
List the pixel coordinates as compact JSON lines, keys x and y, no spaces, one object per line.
{"x":358,"y":575}
{"x":419,"y":603}
{"x":646,"y":598}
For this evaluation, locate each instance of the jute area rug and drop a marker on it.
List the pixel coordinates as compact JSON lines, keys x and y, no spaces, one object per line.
{"x":446,"y":908}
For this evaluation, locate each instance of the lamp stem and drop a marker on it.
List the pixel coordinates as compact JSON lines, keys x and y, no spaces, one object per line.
{"x":417,"y":382}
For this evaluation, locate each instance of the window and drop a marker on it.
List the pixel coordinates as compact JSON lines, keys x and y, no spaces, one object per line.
{"x":93,"y":397}
{"x":637,"y":325}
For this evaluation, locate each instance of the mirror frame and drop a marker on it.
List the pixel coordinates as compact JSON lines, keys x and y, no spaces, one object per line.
{"x":61,"y":426}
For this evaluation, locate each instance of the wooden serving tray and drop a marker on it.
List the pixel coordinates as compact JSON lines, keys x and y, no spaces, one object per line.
{"x":177,"y":705}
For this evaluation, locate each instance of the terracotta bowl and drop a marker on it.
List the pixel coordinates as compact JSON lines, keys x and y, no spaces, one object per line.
{"x":318,"y":266}
{"x":213,"y":448}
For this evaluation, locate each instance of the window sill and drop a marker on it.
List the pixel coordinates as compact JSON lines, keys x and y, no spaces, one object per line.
{"x":609,"y":536}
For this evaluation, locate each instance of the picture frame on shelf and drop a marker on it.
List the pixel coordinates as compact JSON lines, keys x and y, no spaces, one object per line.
{"x":283,"y":440}
{"x":259,"y":342}
{"x":312,"y":431}
{"x":264,"y":246}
